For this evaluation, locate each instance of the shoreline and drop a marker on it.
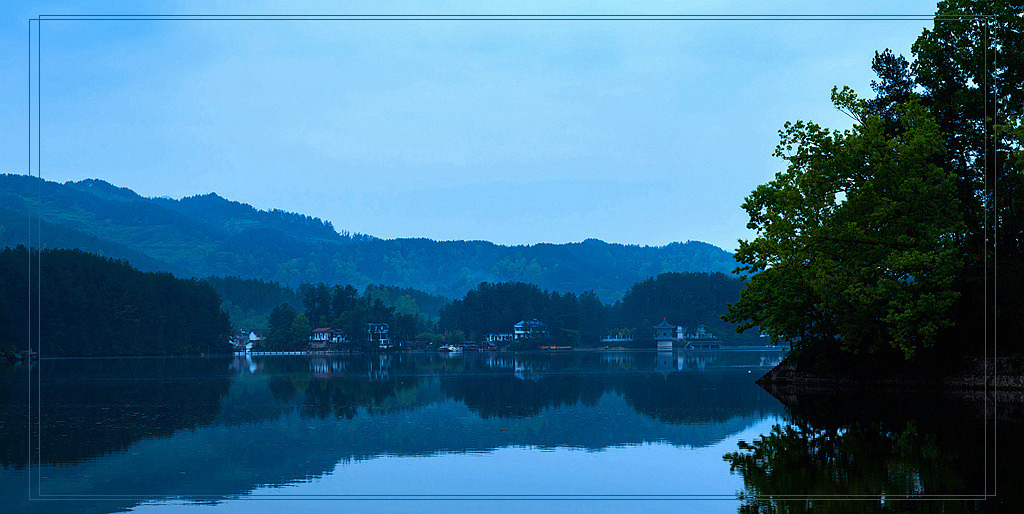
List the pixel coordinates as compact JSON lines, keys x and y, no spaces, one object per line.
{"x":1004,"y":374}
{"x":342,"y":353}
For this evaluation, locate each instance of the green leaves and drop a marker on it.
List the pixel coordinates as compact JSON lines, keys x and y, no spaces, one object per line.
{"x":853,"y":246}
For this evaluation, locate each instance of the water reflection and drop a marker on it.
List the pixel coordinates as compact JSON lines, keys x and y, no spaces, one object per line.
{"x":234,"y":425}
{"x":878,"y":443}
{"x":371,"y":405}
{"x":230,"y":426}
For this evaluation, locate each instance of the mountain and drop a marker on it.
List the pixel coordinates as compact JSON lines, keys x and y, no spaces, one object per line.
{"x":208,"y":235}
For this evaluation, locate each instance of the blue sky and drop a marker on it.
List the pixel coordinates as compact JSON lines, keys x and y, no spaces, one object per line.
{"x":517,"y":132}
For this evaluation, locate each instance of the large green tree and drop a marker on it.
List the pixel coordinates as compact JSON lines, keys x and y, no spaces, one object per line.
{"x":855,"y":239}
{"x":971,"y":73}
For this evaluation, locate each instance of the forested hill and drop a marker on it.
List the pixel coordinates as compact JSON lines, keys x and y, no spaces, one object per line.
{"x":209,"y":235}
{"x":92,"y":306}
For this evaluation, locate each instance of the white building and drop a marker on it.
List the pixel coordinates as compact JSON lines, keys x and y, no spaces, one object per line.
{"x":665,"y":335}
{"x":532,"y":329}
{"x":498,"y":338}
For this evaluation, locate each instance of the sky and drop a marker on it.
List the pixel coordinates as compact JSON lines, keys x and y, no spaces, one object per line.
{"x":516,"y":132}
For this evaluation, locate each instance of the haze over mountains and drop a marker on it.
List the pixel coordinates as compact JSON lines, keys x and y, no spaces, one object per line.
{"x":209,"y":235}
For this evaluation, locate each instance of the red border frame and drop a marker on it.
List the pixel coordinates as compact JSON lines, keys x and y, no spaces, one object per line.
{"x":989,"y":24}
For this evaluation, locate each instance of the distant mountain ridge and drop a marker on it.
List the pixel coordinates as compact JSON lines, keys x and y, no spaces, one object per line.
{"x":208,"y":235}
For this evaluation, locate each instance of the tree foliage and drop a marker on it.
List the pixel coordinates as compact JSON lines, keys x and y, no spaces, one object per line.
{"x":495,"y":308}
{"x":92,"y":306}
{"x":249,"y":302}
{"x":855,"y":245}
{"x":976,"y":92}
{"x":965,"y":89}
{"x":687,"y":299}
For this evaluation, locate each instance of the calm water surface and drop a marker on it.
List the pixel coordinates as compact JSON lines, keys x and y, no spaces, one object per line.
{"x":631,"y":423}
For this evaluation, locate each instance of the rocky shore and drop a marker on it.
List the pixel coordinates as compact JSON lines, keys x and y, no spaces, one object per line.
{"x":975,"y":380}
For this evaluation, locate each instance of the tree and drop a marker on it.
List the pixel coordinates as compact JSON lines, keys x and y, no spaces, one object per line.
{"x":405,"y":304}
{"x":281,"y":319}
{"x":317,"y":301}
{"x":855,"y":241}
{"x":298,"y":332}
{"x":959,"y":71}
{"x":456,"y":337}
{"x":405,"y":327}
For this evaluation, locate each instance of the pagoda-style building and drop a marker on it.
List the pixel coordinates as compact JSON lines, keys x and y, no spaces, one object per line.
{"x":665,"y":335}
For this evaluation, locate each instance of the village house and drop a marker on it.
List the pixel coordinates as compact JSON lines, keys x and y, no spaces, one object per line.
{"x":498,"y":339}
{"x":243,"y":341}
{"x":377,"y":334}
{"x":327,"y":338}
{"x":240,"y":342}
{"x":532,"y":329}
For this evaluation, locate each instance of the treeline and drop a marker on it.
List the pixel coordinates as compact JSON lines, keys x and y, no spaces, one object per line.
{"x":339,"y":307}
{"x":687,"y":299}
{"x":575,"y":319}
{"x":92,"y":306}
{"x":407,"y":300}
{"x":98,"y":306}
{"x":249,"y":302}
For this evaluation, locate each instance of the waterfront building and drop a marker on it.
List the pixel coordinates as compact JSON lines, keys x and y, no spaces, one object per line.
{"x":258,"y":334}
{"x":240,"y":342}
{"x":326,"y":338}
{"x":498,"y":338}
{"x":377,"y":334}
{"x":665,"y":335}
{"x":617,"y":338}
{"x":532,"y":329}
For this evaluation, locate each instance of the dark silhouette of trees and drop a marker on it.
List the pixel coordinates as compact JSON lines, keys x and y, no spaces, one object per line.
{"x":495,"y":308}
{"x":91,"y":305}
{"x":687,"y":299}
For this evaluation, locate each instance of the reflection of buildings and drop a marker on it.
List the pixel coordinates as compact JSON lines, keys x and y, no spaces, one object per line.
{"x":692,"y":361}
{"x":382,"y":370}
{"x":377,"y":368}
{"x":664,"y":362}
{"x":499,"y":361}
{"x":617,"y":358}
{"x":524,"y":370}
{"x":243,"y":363}
{"x":323,"y":368}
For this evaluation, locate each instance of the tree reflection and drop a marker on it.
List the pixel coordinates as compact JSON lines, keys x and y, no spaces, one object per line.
{"x":95,"y":407}
{"x":896,"y":455}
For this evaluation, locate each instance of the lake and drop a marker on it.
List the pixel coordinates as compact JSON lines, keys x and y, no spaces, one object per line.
{"x":491,"y":423}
